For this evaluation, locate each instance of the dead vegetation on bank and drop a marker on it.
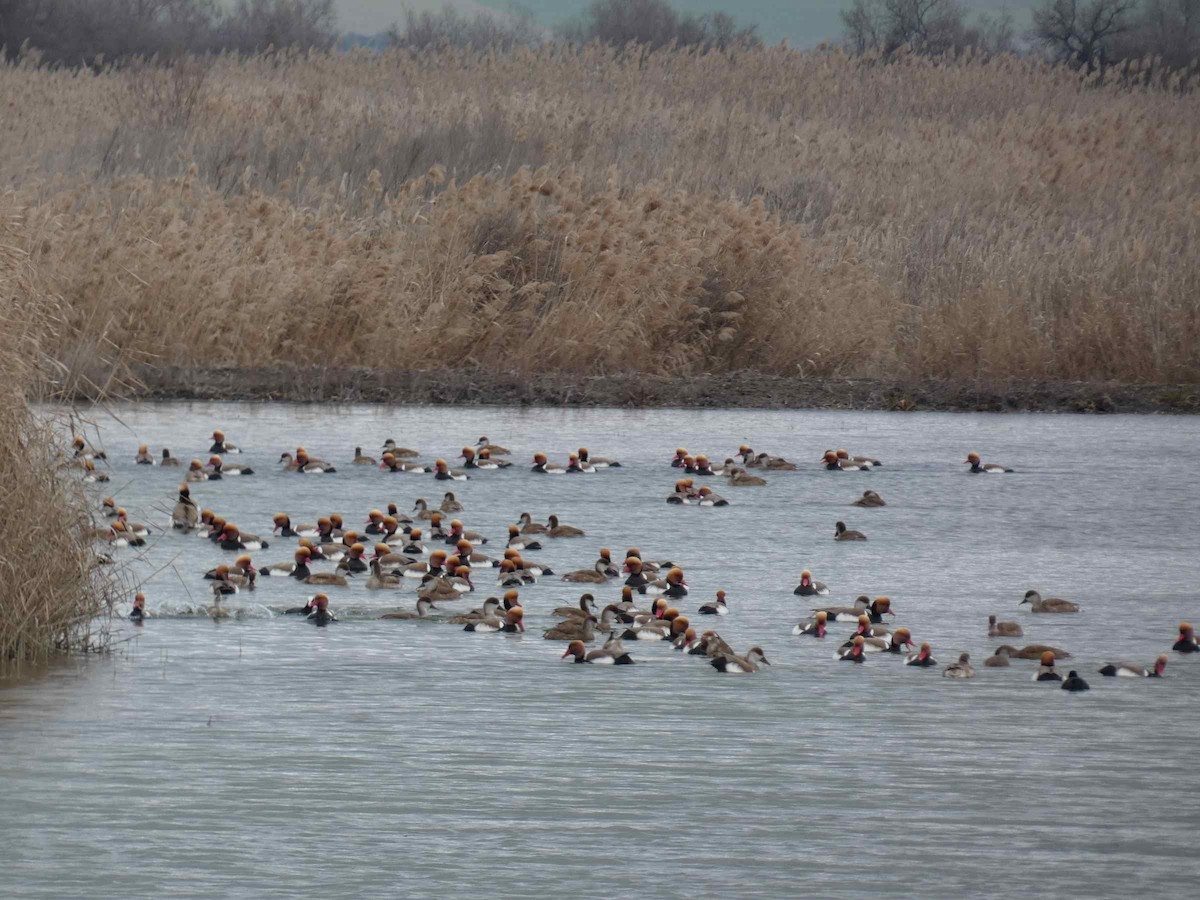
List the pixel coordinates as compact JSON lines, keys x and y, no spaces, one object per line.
{"x":594,"y":211}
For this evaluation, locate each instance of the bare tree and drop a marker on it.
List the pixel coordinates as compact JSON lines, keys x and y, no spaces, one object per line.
{"x":1169,"y":29}
{"x":1082,"y":31}
{"x":924,"y":26}
{"x":655,"y":23}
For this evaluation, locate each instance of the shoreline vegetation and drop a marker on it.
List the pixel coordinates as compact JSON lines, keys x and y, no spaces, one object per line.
{"x":576,"y":212}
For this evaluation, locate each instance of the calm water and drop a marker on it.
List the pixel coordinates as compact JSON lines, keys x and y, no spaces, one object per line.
{"x":265,"y":757}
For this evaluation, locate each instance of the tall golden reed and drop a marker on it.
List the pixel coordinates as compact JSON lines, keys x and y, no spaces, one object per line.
{"x":588,"y":211}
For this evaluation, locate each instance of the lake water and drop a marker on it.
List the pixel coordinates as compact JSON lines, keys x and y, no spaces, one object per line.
{"x":265,"y":757}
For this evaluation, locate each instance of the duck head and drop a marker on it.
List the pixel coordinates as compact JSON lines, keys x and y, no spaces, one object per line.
{"x":577,"y":649}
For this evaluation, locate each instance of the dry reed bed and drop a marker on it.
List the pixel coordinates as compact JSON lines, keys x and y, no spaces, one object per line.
{"x":585,"y":211}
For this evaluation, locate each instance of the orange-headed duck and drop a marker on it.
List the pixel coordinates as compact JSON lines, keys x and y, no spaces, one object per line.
{"x":577,"y":650}
{"x":706,"y":497}
{"x":354,"y":561}
{"x":120,"y":536}
{"x":673,"y":585}
{"x":810,"y":588}
{"x":221,"y":445}
{"x":1187,"y":640}
{"x":443,"y":472}
{"x":717,"y":607}
{"x":457,"y":534}
{"x":220,"y":469}
{"x":831,"y":462}
{"x":1047,"y":672}
{"x":853,"y":652}
{"x":869,"y":462}
{"x":232,"y":538}
{"x":320,"y":614}
{"x":575,"y":466}
{"x":814,"y":626}
{"x":138,"y":613}
{"x":144,"y":456}
{"x":1128,"y":670}
{"x":680,"y":455}
{"x":923,"y":658}
{"x":542,"y":467}
{"x":980,"y":468}
{"x":486,"y":461}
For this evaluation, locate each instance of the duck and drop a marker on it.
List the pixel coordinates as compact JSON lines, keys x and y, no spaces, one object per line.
{"x":596,"y":462}
{"x":91,"y":474}
{"x":711,"y":645}
{"x":360,"y":459}
{"x":814,"y":626}
{"x":1127,"y":670}
{"x":1033,"y":651}
{"x":702,"y":466}
{"x":487,"y":611}
{"x":870,"y":499}
{"x":774,"y":463}
{"x":475,"y":560}
{"x":387,"y":556}
{"x":1047,"y":671}
{"x":109,"y":507}
{"x":1003,"y":629}
{"x":144,"y":457}
{"x":631,"y":616}
{"x":1187,"y":640}
{"x":443,"y":472}
{"x":680,"y":455}
{"x":353,"y":561}
{"x":1073,"y":682}
{"x":512,"y":620}
{"x":810,"y":588}
{"x":577,"y":650}
{"x":195,"y":472}
{"x":528,"y":526}
{"x":842,"y":533}
{"x":168,"y":459}
{"x":326,"y":578}
{"x":485,"y":461}
{"x":422,"y":511}
{"x":577,"y":467}
{"x":242,"y":573}
{"x":738,"y":477}
{"x":960,"y":669}
{"x":379,"y":580}
{"x":451,"y":504}
{"x":222,"y":446}
{"x":184,"y":517}
{"x":573,"y":629}
{"x":220,"y":469}
{"x":556,"y":530}
{"x":853,"y":652}
{"x":458,"y":536}
{"x":706,"y":497}
{"x":717,"y":607}
{"x":320,"y":614}
{"x":998,"y":660}
{"x":741,"y":665}
{"x":832,"y":463}
{"x":298,"y":568}
{"x":586,"y":607}
{"x":868,"y":461}
{"x":898,"y":641}
{"x":847,"y":613}
{"x":673,"y":585}
{"x":923,"y":658}
{"x":542,"y":467}
{"x":683,"y":493}
{"x":494,"y":449}
{"x":600,"y":572}
{"x":670,"y":626}
{"x":281,"y":524}
{"x":518,"y":541}
{"x":138,"y":612}
{"x":83,"y":451}
{"x":389,"y":446}
{"x":1053,"y":605}
{"x":305,"y":464}
{"x":979,"y":468}
{"x":232,"y":538}
{"x":424,"y":607}
{"x":132,"y":527}
{"x":120,"y":536}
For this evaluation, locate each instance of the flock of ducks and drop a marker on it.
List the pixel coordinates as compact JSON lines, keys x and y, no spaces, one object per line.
{"x":430,"y":549}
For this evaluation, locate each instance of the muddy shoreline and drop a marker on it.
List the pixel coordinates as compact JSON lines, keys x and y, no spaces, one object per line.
{"x":745,"y":390}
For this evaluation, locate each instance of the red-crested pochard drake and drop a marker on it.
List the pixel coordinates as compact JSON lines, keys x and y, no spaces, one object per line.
{"x":513,"y":620}
{"x":576,"y":467}
{"x":485,"y":461}
{"x":361,"y":459}
{"x":673,"y":585}
{"x":922,"y":659}
{"x":120,"y":536}
{"x":981,"y":468}
{"x":680,"y":455}
{"x":298,"y":568}
{"x":242,"y":573}
{"x":220,"y":469}
{"x":138,"y":613}
{"x":389,"y":446}
{"x":458,"y":535}
{"x":222,"y":446}
{"x":842,"y":533}
{"x":232,"y":538}
{"x":682,"y":641}
{"x":960,"y":669}
{"x":388,"y":557}
{"x":320,"y":614}
{"x":432,"y":569}
{"x":1047,"y":672}
{"x":83,"y":451}
{"x":1053,"y":605}
{"x":91,"y":474}
{"x":853,"y":652}
{"x":555,"y":530}
{"x":702,"y":467}
{"x":810,"y":588}
{"x":869,"y":499}
{"x":814,"y":626}
{"x":1187,"y":640}
{"x":518,"y":541}
{"x":443,"y":472}
{"x":1003,"y":629}
{"x":184,"y":517}
{"x":305,"y":464}
{"x":869,"y":462}
{"x":717,"y":607}
{"x":706,"y":497}
{"x":670,"y":626}
{"x":683,"y":493}
{"x":424,"y":608}
{"x":1128,"y":670}
{"x":144,"y":457}
{"x":132,"y":527}
{"x":109,"y":507}
{"x":168,"y":459}
{"x":596,"y":462}
{"x":847,"y":613}
{"x":577,"y":650}
{"x":542,"y":467}
{"x":354,"y":560}
{"x":741,"y":665}
{"x":832,"y":463}
{"x":711,"y":645}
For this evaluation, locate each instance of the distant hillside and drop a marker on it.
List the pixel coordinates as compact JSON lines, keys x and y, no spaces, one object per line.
{"x":801,"y":22}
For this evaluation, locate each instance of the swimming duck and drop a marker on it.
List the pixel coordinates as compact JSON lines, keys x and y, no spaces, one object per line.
{"x":424,"y":607}
{"x":320,"y":614}
{"x":221,"y":585}
{"x":960,"y":669}
{"x":528,"y":526}
{"x":305,"y":464}
{"x":232,"y":538}
{"x":774,"y":463}
{"x":487,"y":611}
{"x":683,"y":493}
{"x":1053,"y":605}
{"x":923,"y":658}
{"x":680,"y":456}
{"x":586,"y":607}
{"x":380,"y":580}
{"x":195,"y":472}
{"x":870,"y":499}
{"x":810,"y":588}
{"x":711,"y":645}
{"x":83,"y":451}
{"x":109,"y":507}
{"x":423,"y":512}
{"x":706,"y":497}
{"x":703,"y":467}
{"x":138,"y":613}
{"x":443,"y":472}
{"x":1003,"y":629}
{"x":898,"y":641}
{"x":739,"y":665}
{"x":485,"y":461}
{"x":1187,"y":640}
{"x":242,"y":573}
{"x":853,"y":653}
{"x":738,"y":477}
{"x":451,"y":504}
{"x":353,"y":561}
{"x":360,"y":459}
{"x":387,"y":556}
{"x":220,"y":469}
{"x":998,"y":660}
{"x":573,"y":630}
{"x":717,"y":608}
{"x":575,"y":466}
{"x":281,"y":524}
{"x":120,"y":536}
{"x":512,"y":621}
{"x":144,"y":457}
{"x":495,"y":449}
{"x":847,"y":613}
{"x":433,"y":568}
{"x":670,"y":626}
{"x":1033,"y":651}
{"x":1074,"y":683}
{"x":868,"y":461}
{"x":184,"y":516}
{"x":91,"y":474}
{"x":672,"y":586}
{"x":978,"y":468}
{"x":542,"y":467}
{"x":599,"y":573}
{"x":814,"y":626}
{"x":631,"y":616}
{"x":389,"y":446}
{"x":1127,"y":670}
{"x":457,"y":535}
{"x":842,"y":533}
{"x":577,"y":650}
{"x":518,"y":541}
{"x":596,"y":462}
{"x":132,"y":527}
{"x":831,"y":462}
{"x":459,"y":581}
{"x":296,"y":569}
{"x":555,"y":530}
{"x":222,"y":446}
{"x":1047,"y":671}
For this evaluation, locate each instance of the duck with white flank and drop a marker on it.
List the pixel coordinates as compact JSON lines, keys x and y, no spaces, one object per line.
{"x":542,"y":467}
{"x":578,"y":652}
{"x":1128,"y":670}
{"x":706,"y":497}
{"x":577,"y":467}
{"x":597,"y":462}
{"x":1047,"y":672}
{"x":814,"y":626}
{"x":922,"y":659}
{"x":220,"y":469}
{"x":485,"y":461}
{"x":740,"y":665}
{"x":717,"y":607}
{"x":222,"y":446}
{"x":960,"y":669}
{"x":680,"y":455}
{"x":808,"y":587}
{"x":320,"y":614}
{"x":832,"y":463}
{"x":1053,"y":605}
{"x":144,"y":456}
{"x":978,"y":467}
{"x":852,"y":652}
{"x":847,"y":613}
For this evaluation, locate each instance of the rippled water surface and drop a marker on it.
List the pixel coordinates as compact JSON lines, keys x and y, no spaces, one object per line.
{"x":265,"y":757}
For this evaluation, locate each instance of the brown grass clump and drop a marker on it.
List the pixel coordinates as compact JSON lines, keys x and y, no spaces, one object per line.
{"x":52,"y":593}
{"x":594,"y":211}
